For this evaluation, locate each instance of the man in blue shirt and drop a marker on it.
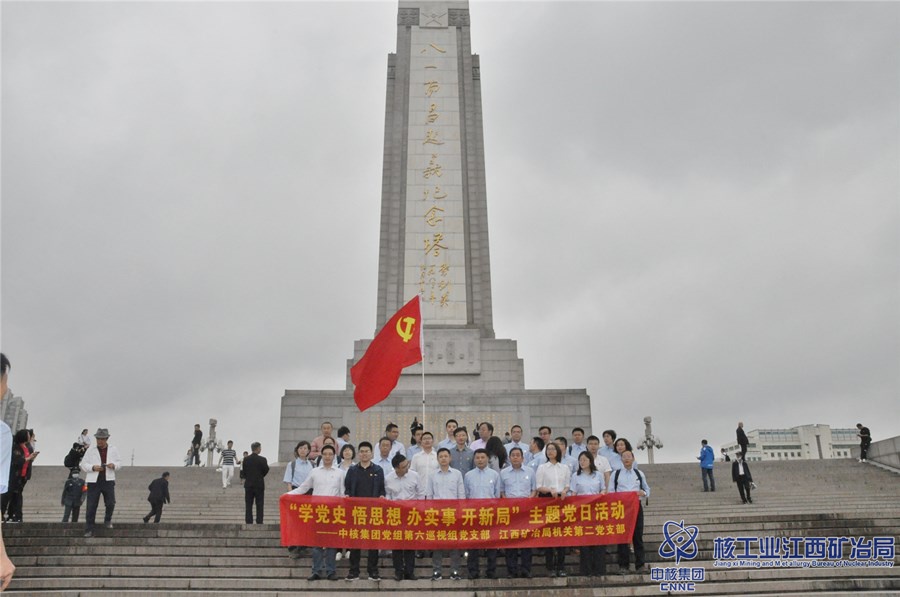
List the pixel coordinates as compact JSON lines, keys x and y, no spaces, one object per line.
{"x":482,"y":483}
{"x":450,"y":440}
{"x":608,"y":449}
{"x":461,"y":457}
{"x":515,"y":434}
{"x":517,"y":481}
{"x":578,"y":446}
{"x":707,"y":458}
{"x":445,"y":484}
{"x":629,"y":478}
{"x":538,"y":457}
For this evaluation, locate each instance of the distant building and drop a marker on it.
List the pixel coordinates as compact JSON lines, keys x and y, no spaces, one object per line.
{"x":12,"y":412}
{"x":806,"y":442}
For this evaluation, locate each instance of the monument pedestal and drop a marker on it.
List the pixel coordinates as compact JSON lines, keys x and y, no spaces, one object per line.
{"x":470,"y":380}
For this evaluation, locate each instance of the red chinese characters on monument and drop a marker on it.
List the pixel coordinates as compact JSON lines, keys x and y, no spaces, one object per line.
{"x":365,"y":523}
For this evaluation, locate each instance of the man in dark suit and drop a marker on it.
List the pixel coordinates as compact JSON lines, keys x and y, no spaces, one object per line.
{"x":740,"y":474}
{"x":159,"y":495}
{"x":742,"y":440}
{"x":255,"y":469}
{"x":365,"y":479}
{"x":196,"y":442}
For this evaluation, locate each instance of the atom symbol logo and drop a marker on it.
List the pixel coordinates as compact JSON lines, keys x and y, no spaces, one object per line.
{"x":681,"y":541}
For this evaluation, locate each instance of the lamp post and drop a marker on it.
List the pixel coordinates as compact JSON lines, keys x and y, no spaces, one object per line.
{"x":650,"y":441}
{"x":211,"y":446}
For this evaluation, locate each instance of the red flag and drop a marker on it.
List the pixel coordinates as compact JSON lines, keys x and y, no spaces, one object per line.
{"x":396,"y":346}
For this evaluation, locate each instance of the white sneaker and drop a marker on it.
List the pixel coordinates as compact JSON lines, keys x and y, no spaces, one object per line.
{"x":338,"y":555}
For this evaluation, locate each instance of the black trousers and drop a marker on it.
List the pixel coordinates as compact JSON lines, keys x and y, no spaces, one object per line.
{"x":556,"y":558}
{"x":743,"y":451}
{"x":108,"y":490}
{"x":252,"y":494}
{"x":864,"y":449}
{"x":195,"y":454}
{"x":404,"y":562}
{"x":155,"y":510}
{"x":518,"y":561}
{"x":637,"y":541}
{"x":743,"y":484}
{"x":12,"y":505}
{"x":371,"y":564}
{"x":474,"y":561}
{"x":593,"y":560}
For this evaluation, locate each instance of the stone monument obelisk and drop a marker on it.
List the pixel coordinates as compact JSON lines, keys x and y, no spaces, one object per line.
{"x":434,"y":241}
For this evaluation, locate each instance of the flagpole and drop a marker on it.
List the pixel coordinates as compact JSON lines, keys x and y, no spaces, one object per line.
{"x":422,"y":344}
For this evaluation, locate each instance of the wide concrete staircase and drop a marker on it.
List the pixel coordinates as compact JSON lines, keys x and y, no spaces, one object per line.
{"x":203,"y":547}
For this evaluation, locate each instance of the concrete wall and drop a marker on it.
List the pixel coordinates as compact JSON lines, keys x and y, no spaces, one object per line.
{"x":886,"y":451}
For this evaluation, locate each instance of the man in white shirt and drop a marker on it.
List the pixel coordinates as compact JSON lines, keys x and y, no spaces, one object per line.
{"x":328,"y":480}
{"x":397,"y":447}
{"x":600,"y":461}
{"x":227,"y":461}
{"x":485,"y":431}
{"x":384,"y":455}
{"x":403,"y":484}
{"x":100,"y":462}
{"x":515,"y":434}
{"x":425,"y":462}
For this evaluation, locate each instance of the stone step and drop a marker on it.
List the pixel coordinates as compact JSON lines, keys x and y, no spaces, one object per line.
{"x":630,"y":584}
{"x":201,"y":547}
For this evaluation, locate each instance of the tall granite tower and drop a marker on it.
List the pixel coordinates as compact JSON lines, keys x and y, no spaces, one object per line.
{"x":434,"y":241}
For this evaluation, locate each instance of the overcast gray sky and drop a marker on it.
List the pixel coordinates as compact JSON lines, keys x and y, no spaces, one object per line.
{"x":693,"y":210}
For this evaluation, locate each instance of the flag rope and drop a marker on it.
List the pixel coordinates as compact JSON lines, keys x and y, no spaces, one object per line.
{"x":422,"y":345}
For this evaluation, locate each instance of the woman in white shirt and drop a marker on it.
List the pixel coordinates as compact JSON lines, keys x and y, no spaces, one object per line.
{"x":553,"y":482}
{"x":589,"y":481}
{"x":348,"y":453}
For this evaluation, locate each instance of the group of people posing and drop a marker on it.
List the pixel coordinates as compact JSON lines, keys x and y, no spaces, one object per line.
{"x":455,"y":468}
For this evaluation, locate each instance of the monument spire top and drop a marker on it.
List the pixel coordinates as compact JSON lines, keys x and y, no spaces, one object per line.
{"x":434,"y":233}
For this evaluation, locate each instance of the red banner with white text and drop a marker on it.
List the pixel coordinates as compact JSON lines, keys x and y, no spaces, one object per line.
{"x":373,"y":523}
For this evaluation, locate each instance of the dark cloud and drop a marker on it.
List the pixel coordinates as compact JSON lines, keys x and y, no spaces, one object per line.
{"x":693,"y":210}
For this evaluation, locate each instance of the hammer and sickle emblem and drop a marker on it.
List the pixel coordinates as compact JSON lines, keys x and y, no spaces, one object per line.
{"x":405,"y":327}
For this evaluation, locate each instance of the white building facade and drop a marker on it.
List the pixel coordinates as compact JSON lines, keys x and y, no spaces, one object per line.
{"x":806,"y":442}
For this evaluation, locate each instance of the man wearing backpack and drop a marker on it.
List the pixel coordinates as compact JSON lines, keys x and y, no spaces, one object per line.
{"x":629,"y":478}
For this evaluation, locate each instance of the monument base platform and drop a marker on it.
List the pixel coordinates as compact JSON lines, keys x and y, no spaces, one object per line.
{"x":303,"y":411}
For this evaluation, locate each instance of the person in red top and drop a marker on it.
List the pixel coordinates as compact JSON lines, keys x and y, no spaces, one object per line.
{"x":316,"y":447}
{"x":21,"y":459}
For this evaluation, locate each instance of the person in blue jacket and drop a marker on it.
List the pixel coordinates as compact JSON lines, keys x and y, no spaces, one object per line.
{"x":707,"y":458}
